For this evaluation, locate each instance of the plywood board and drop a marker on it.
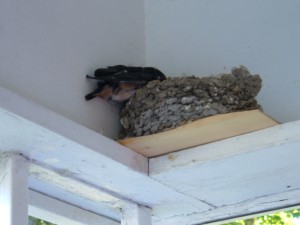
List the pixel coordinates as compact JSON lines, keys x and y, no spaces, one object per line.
{"x":199,"y":132}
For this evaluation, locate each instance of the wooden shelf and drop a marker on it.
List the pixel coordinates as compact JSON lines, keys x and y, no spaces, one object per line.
{"x":200,"y":132}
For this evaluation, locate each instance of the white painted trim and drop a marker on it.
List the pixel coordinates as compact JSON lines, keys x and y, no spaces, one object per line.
{"x":68,"y":157}
{"x":220,"y":150}
{"x":133,"y":214}
{"x":20,"y":107}
{"x":71,"y":150}
{"x":13,"y":189}
{"x":146,"y":187}
{"x":252,"y":207}
{"x":242,"y":167}
{"x":60,"y":213}
{"x":86,"y":191}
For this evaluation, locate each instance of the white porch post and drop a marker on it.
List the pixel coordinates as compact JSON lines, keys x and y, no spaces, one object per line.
{"x":133,"y":214}
{"x":13,"y":189}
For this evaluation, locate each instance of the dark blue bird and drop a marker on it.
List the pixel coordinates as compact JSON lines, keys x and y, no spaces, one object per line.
{"x":118,"y":83}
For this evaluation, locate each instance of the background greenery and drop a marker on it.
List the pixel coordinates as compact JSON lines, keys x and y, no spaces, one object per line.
{"x":281,"y":218}
{"x":35,"y":221}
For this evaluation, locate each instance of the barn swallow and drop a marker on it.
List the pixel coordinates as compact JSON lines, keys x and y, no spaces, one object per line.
{"x":118,"y":83}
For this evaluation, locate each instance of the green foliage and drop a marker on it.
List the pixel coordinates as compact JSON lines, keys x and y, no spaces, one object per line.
{"x":35,"y":221}
{"x":280,"y":218}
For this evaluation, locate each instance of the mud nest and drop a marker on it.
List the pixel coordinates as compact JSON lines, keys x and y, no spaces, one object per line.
{"x":161,"y":106}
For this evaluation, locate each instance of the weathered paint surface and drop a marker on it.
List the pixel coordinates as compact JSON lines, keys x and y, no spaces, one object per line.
{"x":217,"y":181}
{"x":13,"y":189}
{"x":237,"y":176}
{"x":59,"y":212}
{"x":133,"y":214}
{"x":66,"y":156}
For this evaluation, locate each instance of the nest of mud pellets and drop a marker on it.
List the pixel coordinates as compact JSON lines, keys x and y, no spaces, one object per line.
{"x":160,"y":106}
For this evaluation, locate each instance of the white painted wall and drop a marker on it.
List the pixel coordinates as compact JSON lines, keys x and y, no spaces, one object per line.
{"x":47,"y":48}
{"x":205,"y":37}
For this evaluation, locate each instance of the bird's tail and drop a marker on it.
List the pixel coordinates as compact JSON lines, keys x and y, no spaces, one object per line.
{"x":90,"y":96}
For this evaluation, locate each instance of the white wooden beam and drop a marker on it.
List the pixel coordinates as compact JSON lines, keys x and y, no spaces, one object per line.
{"x":73,"y":151}
{"x":82,"y":189}
{"x":238,"y":176}
{"x":13,"y":189}
{"x":186,"y":187}
{"x":45,"y":123}
{"x":261,"y":205}
{"x":133,"y":214}
{"x":267,"y":138}
{"x":59,"y":212}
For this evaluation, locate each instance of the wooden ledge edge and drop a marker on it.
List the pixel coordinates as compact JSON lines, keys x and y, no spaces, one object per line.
{"x":200,"y":132}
